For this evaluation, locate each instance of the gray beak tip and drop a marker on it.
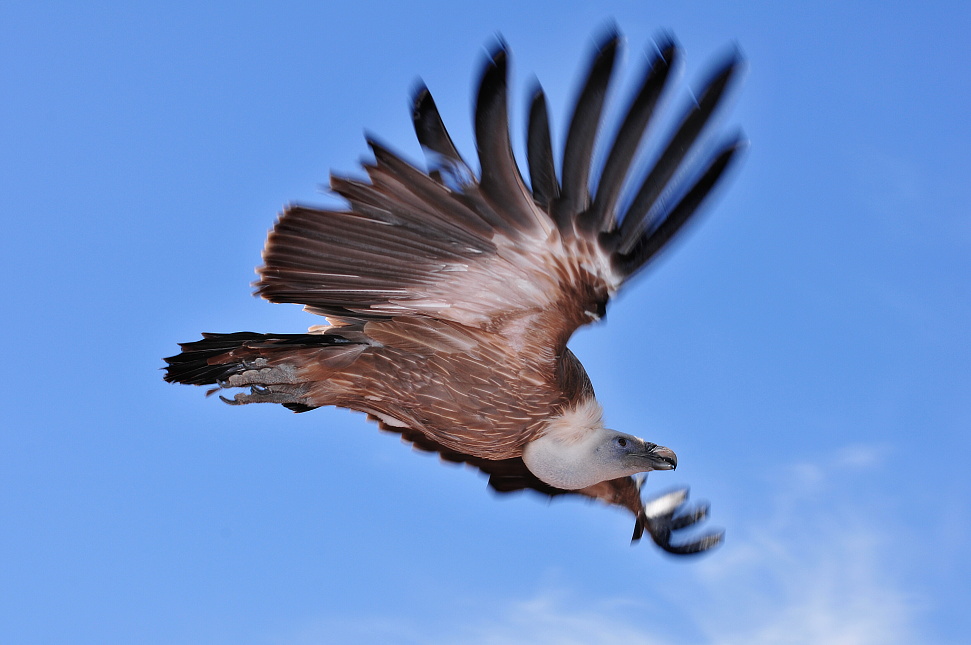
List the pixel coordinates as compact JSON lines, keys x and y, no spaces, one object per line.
{"x":666,"y":458}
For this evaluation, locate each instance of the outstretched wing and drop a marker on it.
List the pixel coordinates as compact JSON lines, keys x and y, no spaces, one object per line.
{"x":530,"y":262}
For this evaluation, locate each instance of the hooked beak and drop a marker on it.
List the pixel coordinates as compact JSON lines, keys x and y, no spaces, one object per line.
{"x":658,"y":457}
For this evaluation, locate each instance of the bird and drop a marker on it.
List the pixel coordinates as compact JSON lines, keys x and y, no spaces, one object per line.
{"x":450,"y":293}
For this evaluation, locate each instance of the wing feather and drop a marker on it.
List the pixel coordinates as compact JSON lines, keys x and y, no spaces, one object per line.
{"x":500,"y":181}
{"x":431,"y":132}
{"x":539,"y":152}
{"x":600,"y":216}
{"x":691,"y":125}
{"x":654,"y":240}
{"x":582,"y":134}
{"x":488,"y":251}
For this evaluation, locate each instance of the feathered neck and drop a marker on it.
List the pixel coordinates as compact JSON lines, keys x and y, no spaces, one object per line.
{"x":564,"y":453}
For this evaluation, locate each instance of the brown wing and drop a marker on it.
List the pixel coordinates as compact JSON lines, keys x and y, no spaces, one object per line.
{"x":489,"y":252}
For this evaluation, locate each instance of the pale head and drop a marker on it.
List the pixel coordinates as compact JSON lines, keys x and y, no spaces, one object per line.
{"x":576,"y":450}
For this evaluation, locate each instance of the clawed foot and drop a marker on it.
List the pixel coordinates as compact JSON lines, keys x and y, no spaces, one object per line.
{"x":663,"y":515}
{"x":269,"y":394}
{"x":266,"y":384}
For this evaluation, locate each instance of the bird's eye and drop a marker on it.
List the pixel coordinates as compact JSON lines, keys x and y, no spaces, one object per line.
{"x":622,"y":442}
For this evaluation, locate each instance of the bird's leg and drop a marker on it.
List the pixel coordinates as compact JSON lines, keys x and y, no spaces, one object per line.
{"x":257,"y":372}
{"x":294,"y":394}
{"x":663,"y":515}
{"x":278,"y":384}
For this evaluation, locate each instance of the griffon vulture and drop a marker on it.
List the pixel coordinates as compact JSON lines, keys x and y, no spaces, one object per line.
{"x":451,"y":294}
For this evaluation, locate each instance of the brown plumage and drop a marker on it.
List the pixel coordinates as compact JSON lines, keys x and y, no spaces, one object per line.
{"x":451,"y":297}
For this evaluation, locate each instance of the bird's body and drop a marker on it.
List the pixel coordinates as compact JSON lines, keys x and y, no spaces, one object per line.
{"x":463,"y":393}
{"x":451,"y":297}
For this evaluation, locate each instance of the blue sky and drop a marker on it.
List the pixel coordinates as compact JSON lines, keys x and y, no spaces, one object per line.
{"x":805,"y":350}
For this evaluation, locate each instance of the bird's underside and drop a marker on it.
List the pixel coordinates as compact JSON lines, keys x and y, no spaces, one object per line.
{"x":451,"y":295}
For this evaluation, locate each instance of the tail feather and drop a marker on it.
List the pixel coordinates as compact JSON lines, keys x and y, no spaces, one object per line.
{"x":218,"y":356}
{"x":267,"y":363}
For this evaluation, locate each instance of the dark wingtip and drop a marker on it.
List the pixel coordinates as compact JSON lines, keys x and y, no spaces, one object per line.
{"x":739,"y":143}
{"x":627,"y":140}
{"x":733,"y":148}
{"x":539,"y":150}
{"x":608,"y":33}
{"x":653,"y":241}
{"x":582,"y":133}
{"x":607,"y":48}
{"x":493,"y":79}
{"x":536,"y":92}
{"x":609,"y":37}
{"x":498,"y":52}
{"x":439,"y":149}
{"x":664,"y":42}
{"x":730,"y":65}
{"x":378,"y":149}
{"x":668,"y":50}
{"x":419,"y":97}
{"x":371,"y":139}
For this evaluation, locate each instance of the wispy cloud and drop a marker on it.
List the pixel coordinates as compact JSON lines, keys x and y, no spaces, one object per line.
{"x":818,"y":569}
{"x":824,"y":578}
{"x":814,"y":570}
{"x":555,"y":618}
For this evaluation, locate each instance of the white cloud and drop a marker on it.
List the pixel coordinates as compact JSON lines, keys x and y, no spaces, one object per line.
{"x":772,"y":592}
{"x":553,"y":619}
{"x":814,"y":569}
{"x":830,"y":585}
{"x":818,"y":569}
{"x":862,"y":455}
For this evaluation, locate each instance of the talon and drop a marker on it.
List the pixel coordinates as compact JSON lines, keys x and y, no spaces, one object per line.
{"x":658,"y":518}
{"x":639,"y":525}
{"x":665,"y":504}
{"x":707,"y":542}
{"x":259,"y":389}
{"x":693,"y":517}
{"x":223,"y":383}
{"x":229,"y":401}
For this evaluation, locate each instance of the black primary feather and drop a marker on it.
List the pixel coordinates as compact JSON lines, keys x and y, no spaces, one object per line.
{"x":539,"y":152}
{"x":500,"y":181}
{"x":601,"y":216}
{"x":691,"y":125}
{"x":582,"y":134}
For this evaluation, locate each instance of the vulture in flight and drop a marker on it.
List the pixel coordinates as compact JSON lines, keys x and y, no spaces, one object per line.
{"x":450,"y":294}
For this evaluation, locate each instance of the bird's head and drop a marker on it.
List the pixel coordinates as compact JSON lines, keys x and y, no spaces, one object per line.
{"x":577,"y":451}
{"x":629,"y":455}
